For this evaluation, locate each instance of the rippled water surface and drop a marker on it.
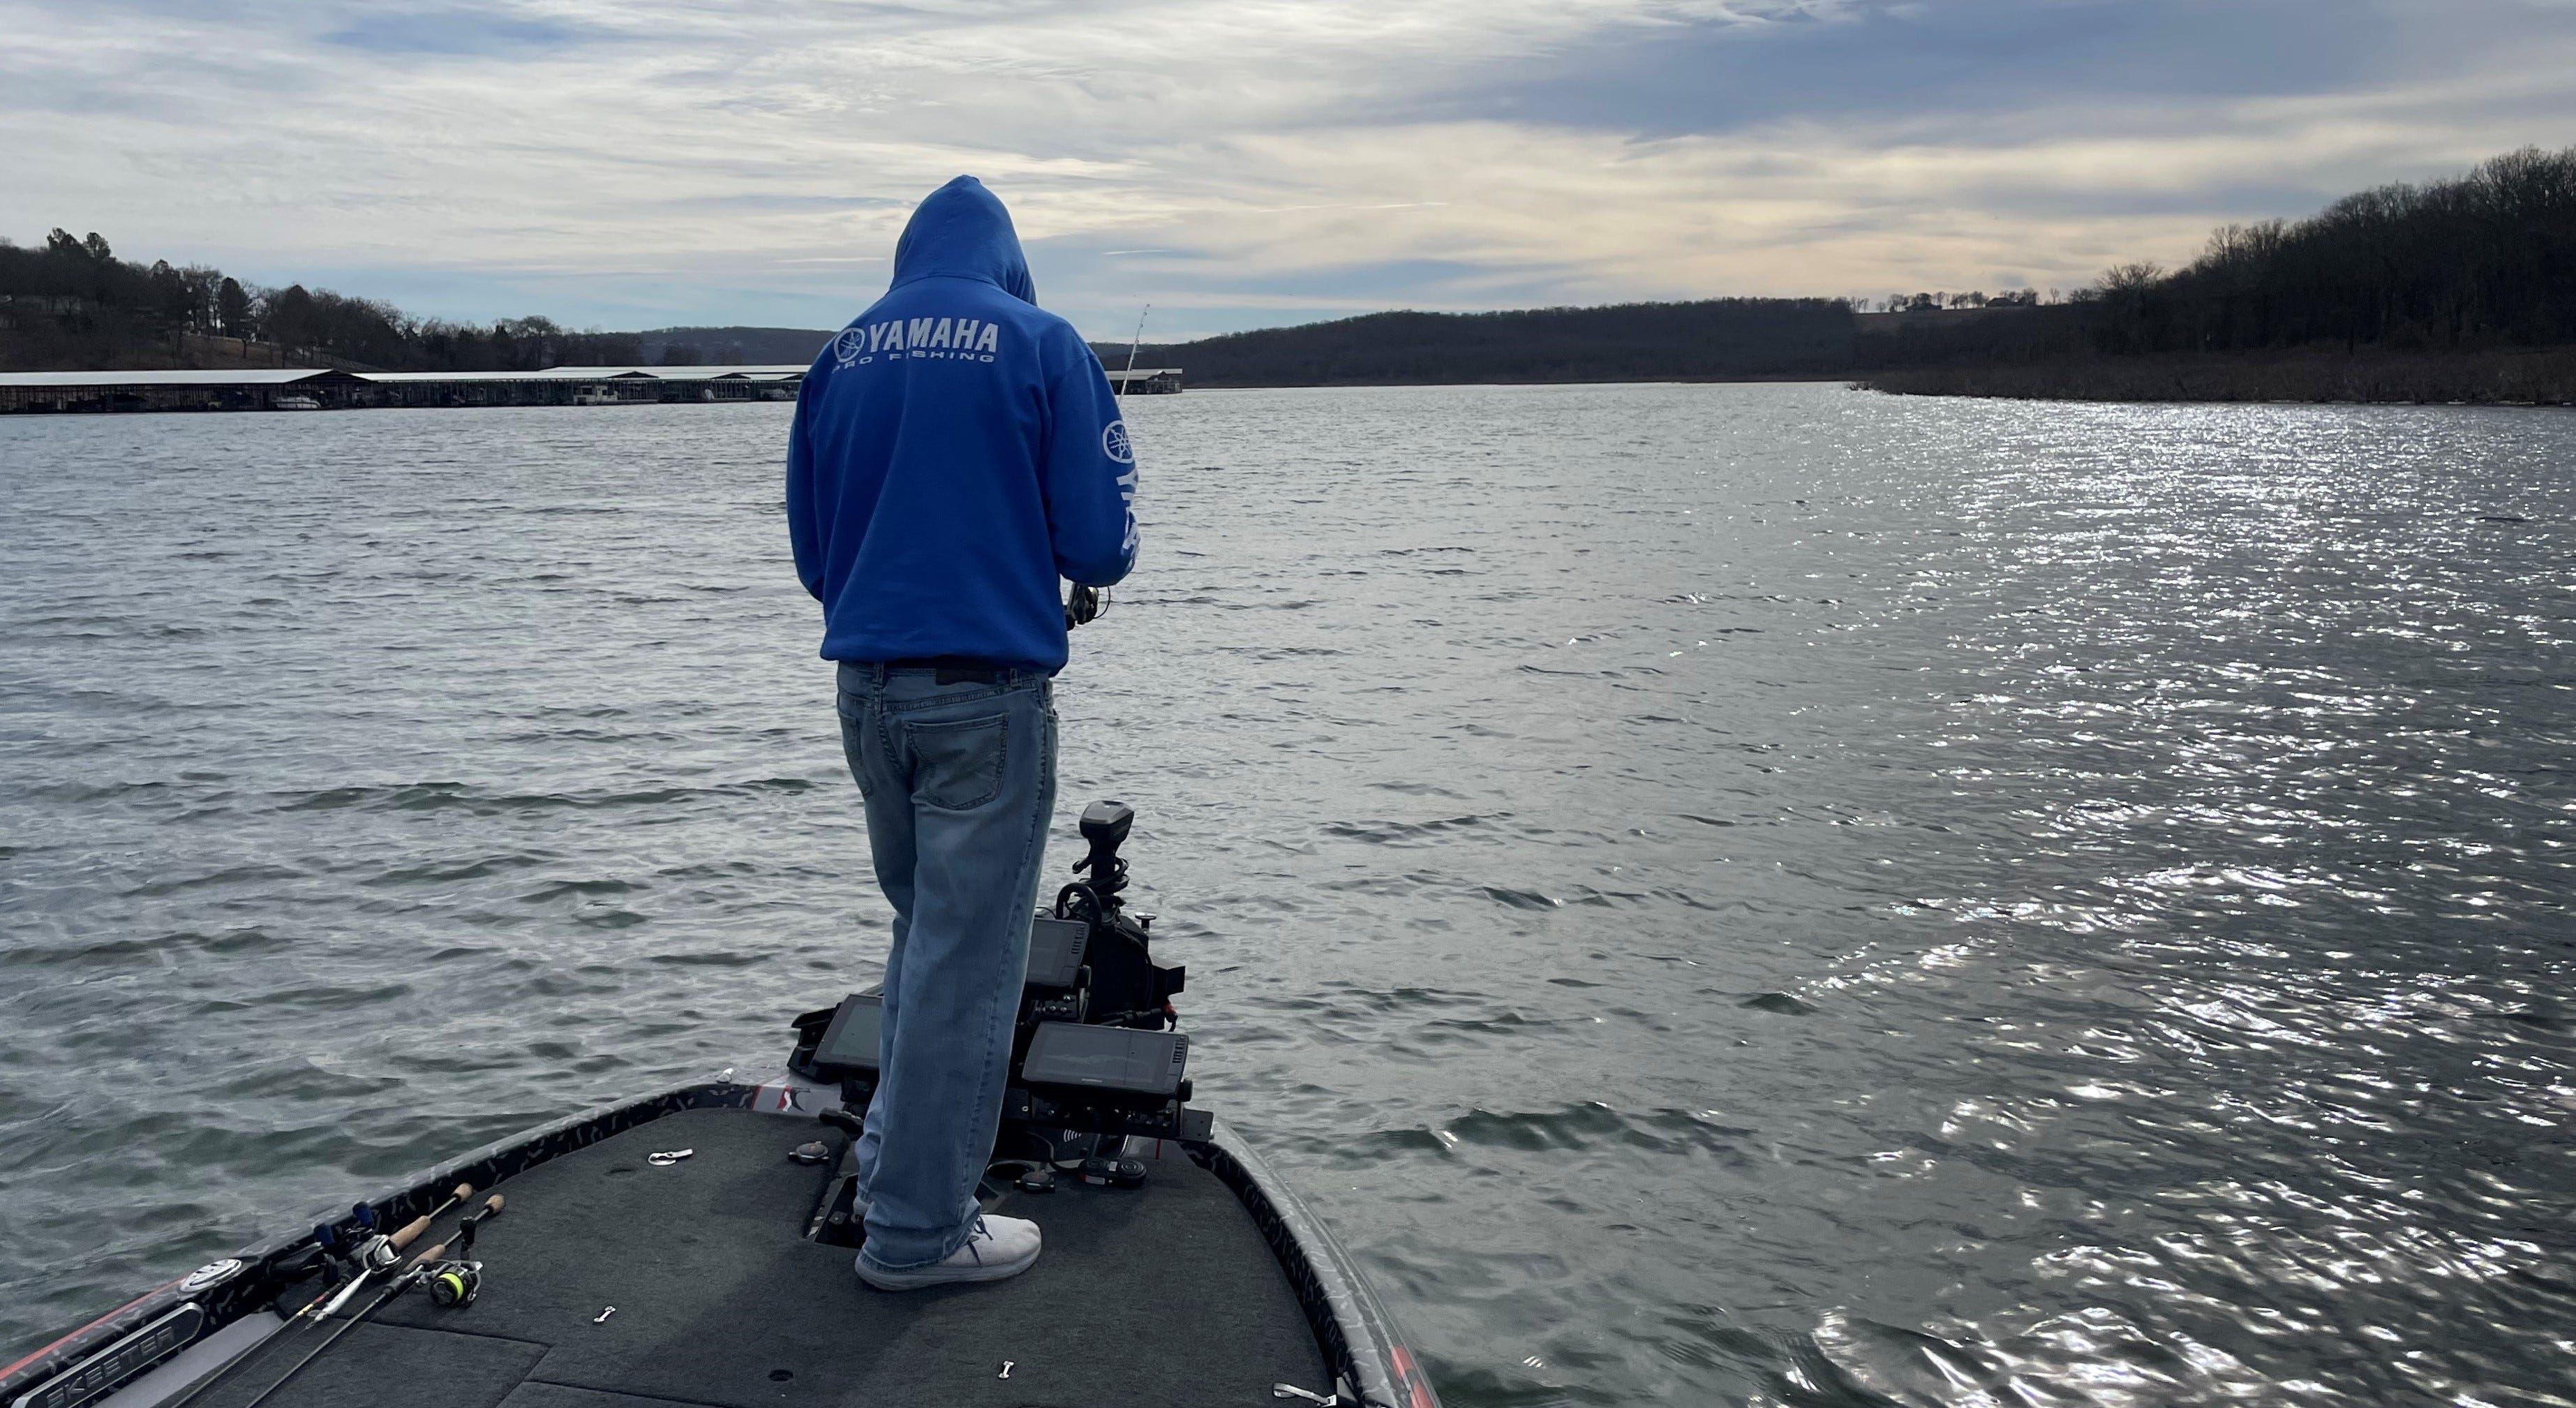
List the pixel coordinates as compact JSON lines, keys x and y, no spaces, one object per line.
{"x":1753,"y":894}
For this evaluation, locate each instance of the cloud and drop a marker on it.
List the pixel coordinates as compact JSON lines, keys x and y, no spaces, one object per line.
{"x":1973,"y":58}
{"x":455,"y":31}
{"x":671,"y":161}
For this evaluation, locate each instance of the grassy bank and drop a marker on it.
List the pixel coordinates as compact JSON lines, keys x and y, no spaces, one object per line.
{"x":2501,"y":377}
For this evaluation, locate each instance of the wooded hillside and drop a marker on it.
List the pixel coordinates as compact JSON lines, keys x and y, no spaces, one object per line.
{"x":2447,"y":290}
{"x":1713,"y":340}
{"x":72,"y":305}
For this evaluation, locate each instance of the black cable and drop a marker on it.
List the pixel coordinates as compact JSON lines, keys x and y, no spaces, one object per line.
{"x":1065,"y":898}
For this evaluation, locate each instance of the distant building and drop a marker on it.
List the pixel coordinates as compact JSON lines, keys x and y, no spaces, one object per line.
{"x":1143,"y":381}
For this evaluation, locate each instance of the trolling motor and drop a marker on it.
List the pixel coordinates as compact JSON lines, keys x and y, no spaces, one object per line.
{"x":1126,"y":986}
{"x":1095,"y":1050}
{"x":1095,"y":1046}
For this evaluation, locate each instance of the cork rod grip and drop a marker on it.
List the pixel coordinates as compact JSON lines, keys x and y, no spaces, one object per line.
{"x":411,"y":1231}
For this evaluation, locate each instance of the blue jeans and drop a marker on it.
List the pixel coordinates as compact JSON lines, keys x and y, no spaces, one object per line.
{"x":959,"y":784}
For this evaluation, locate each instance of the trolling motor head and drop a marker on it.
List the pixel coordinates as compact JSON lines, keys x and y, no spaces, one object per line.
{"x":1105,"y":825}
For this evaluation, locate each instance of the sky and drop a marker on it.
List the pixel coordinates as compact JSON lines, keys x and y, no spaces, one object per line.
{"x":1235,"y":163}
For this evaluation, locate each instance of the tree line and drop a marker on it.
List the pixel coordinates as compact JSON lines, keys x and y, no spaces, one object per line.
{"x":2483,"y":260}
{"x":1934,"y":302}
{"x":2483,"y":263}
{"x":71,"y":304}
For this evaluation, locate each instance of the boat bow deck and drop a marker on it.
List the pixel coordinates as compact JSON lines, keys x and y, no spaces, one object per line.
{"x":1165,"y":1295}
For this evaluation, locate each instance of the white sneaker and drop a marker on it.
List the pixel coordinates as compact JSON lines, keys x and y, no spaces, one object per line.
{"x":1000,"y":1247}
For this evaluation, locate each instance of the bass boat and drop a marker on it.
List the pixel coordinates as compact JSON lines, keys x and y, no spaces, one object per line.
{"x":692,"y":1246}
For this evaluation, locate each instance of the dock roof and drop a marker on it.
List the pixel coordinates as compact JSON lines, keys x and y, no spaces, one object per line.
{"x":764,"y":372}
{"x":241,"y":376}
{"x":626,"y":374}
{"x":289,"y":376}
{"x":548,"y":374}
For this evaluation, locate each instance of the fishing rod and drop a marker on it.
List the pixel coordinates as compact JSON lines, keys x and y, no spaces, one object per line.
{"x":372,"y":1257}
{"x":452,"y":1282}
{"x":1139,"y":341}
{"x":1083,"y":605}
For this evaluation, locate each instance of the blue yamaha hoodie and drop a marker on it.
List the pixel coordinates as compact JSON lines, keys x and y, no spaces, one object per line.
{"x":955,"y":451}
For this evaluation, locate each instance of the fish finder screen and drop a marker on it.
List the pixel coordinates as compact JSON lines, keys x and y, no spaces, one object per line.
{"x":1106,"y":1058}
{"x":1055,"y":951}
{"x":851,"y":1040}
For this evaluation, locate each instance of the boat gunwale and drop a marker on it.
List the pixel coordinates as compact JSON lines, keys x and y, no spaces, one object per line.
{"x":1344,"y":1313}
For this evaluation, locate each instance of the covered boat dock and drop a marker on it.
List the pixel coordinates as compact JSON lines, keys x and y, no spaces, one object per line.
{"x":324,"y":388}
{"x":584,"y":386}
{"x":1146,"y":381}
{"x":245,"y":389}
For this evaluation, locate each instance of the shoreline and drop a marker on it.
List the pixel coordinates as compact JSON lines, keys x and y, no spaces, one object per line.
{"x":2540,"y":378}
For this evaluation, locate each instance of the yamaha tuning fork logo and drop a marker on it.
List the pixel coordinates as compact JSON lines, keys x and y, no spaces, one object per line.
{"x":847,"y":347}
{"x":1113,"y":442}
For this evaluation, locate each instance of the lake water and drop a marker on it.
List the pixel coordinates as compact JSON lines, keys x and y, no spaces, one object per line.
{"x":1750,"y":894}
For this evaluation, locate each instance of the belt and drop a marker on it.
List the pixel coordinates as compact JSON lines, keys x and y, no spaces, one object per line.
{"x":956,"y":669}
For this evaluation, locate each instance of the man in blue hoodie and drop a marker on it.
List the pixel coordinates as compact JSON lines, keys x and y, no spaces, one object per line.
{"x":955,"y":451}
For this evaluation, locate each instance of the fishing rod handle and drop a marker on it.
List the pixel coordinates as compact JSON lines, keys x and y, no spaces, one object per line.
{"x":438,"y":1250}
{"x":411,"y":1231}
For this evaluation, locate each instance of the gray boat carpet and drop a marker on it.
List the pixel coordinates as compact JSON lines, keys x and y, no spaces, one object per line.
{"x":537,"y":1395}
{"x":1165,"y":1295}
{"x":382,"y":1364}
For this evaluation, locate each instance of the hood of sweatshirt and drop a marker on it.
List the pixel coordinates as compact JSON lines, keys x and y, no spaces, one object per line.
{"x":961,"y":231}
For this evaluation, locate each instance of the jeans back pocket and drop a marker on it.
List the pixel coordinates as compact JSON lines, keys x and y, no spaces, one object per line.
{"x":959,"y":765}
